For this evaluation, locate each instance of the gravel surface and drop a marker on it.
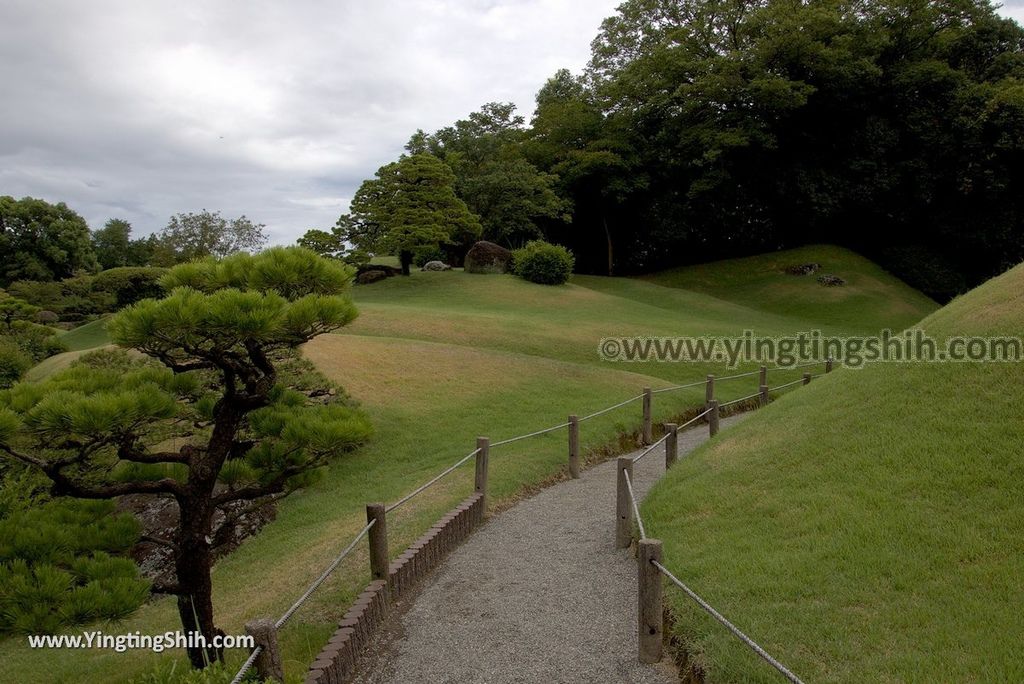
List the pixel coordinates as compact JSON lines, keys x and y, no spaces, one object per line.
{"x":539,"y":594}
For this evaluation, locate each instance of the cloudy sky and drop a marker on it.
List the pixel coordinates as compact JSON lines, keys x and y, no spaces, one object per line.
{"x":277,"y":110}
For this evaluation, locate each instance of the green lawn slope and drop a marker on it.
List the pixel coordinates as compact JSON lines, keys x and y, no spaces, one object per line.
{"x":872,"y":298}
{"x":437,"y":359}
{"x":88,"y":336}
{"x":868,"y":527}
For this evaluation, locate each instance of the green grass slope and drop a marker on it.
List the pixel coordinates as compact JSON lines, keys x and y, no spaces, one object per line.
{"x":871,"y":299}
{"x":88,"y":336}
{"x":437,"y":359}
{"x":868,"y":527}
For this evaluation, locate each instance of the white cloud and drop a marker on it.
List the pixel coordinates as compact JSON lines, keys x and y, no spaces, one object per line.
{"x":275,"y":110}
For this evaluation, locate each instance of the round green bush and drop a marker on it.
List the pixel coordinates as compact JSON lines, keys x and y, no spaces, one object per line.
{"x":542,"y":262}
{"x":14,"y":363}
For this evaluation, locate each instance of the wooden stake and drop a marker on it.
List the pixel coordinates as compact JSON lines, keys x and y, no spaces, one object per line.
{"x":378,"y":540}
{"x":574,"y":447}
{"x":650,"y":619}
{"x":268,"y":663}
{"x":713,"y":419}
{"x":671,"y":444}
{"x":480,"y":477}
{"x":623,"y":507}
{"x":648,"y":432}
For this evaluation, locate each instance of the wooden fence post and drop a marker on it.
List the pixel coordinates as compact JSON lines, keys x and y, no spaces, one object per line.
{"x":650,"y":623}
{"x":709,"y":390}
{"x":828,"y":365}
{"x":480,"y":477}
{"x":623,"y":507}
{"x":648,"y":432}
{"x":713,"y":419}
{"x":574,"y":447}
{"x":763,"y":377}
{"x":671,"y":444}
{"x":268,"y":663}
{"x":764,"y":395}
{"x":807,"y":378}
{"x":378,"y":540}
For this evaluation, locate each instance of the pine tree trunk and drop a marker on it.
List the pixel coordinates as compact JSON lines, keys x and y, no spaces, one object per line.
{"x":405,"y":258}
{"x":195,"y":600}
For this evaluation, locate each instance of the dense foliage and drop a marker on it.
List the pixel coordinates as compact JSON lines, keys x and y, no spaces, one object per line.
{"x":243,"y":434}
{"x":409,"y":206}
{"x":42,"y":241}
{"x":544,"y":263}
{"x":704,"y":129}
{"x":61,"y":564}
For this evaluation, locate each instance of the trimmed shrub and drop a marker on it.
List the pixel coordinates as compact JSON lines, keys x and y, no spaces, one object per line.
{"x":47,"y":317}
{"x":14,"y":363}
{"x":130,"y":284}
{"x":57,"y":567}
{"x":544,"y":263}
{"x":424,"y":255}
{"x":36,"y":341}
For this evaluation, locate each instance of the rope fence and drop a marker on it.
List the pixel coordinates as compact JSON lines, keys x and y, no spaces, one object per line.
{"x":432,"y":482}
{"x":545,"y":431}
{"x":632,"y":500}
{"x":728,"y":625}
{"x":375,"y":529}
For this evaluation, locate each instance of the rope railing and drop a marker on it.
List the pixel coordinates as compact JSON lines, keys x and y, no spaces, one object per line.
{"x":510,"y":440}
{"x":783,"y":670}
{"x":433,"y":481}
{"x":323,"y":576}
{"x":741,"y":399}
{"x":788,"y":384}
{"x":738,"y":375}
{"x":247,"y":665}
{"x":636,"y":509}
{"x":612,"y":408}
{"x":481,"y":451}
{"x":651,"y":448}
{"x":679,"y":387}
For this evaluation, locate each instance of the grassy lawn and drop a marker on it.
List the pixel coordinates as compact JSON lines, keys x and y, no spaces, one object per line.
{"x":437,"y":359}
{"x":86,"y":336}
{"x":866,"y":528}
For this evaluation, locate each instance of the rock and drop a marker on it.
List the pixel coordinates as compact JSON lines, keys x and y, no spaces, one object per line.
{"x":802,"y":269}
{"x":487,"y":257}
{"x":389,"y":270}
{"x":831,"y":280}
{"x":158,"y":516}
{"x":436,"y":266}
{"x":371,"y":276}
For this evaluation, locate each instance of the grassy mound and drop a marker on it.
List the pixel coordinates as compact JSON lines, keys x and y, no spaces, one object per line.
{"x":866,"y":528}
{"x":436,"y":360}
{"x":88,"y":336}
{"x":871,"y":298}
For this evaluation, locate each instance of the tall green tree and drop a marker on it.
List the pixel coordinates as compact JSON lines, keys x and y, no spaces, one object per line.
{"x":512,"y":197}
{"x":112,"y":242}
{"x":220,"y":338}
{"x":196,"y":235}
{"x":409,"y":205}
{"x":42,"y":241}
{"x":329,"y":244}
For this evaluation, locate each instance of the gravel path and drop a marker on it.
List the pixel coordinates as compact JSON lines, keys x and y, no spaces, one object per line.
{"x":539,"y":594}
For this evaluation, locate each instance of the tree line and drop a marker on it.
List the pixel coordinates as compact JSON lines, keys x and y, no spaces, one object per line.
{"x":45,"y":242}
{"x":705,"y":129}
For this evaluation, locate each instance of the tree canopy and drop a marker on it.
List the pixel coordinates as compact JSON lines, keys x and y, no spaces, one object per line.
{"x":218,"y":391}
{"x":42,"y":241}
{"x":705,"y":129}
{"x":409,"y":205}
{"x":196,"y":235}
